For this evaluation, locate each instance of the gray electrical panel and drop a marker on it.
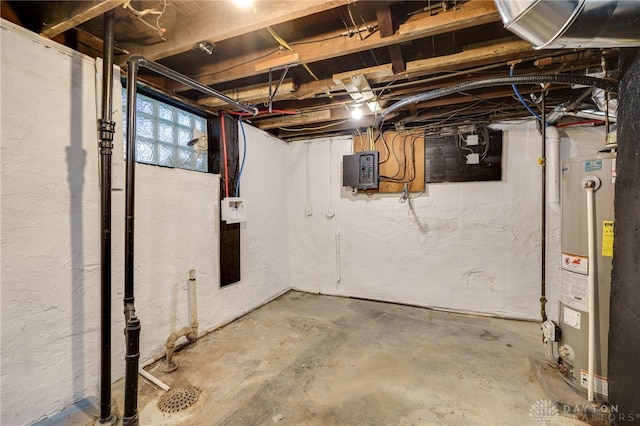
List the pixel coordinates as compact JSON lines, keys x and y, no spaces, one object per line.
{"x":360,"y":170}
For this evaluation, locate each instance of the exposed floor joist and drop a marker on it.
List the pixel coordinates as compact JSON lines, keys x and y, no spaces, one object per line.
{"x":221,"y":22}
{"x":467,"y":15}
{"x":64,"y":15}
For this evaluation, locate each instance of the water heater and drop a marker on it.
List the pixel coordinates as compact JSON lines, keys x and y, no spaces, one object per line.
{"x":587,"y":208}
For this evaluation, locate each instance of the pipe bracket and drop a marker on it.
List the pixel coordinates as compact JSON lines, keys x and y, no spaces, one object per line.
{"x":107,"y":130}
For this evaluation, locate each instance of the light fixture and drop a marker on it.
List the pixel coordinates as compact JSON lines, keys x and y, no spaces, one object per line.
{"x":356,"y":112}
{"x":205,"y":46}
{"x":243,"y":3}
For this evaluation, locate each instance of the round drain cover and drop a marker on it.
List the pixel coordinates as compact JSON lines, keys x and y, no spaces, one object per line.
{"x":178,"y":399}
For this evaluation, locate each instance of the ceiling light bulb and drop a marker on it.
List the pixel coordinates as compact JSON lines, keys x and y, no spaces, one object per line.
{"x":356,"y":113}
{"x":243,"y":3}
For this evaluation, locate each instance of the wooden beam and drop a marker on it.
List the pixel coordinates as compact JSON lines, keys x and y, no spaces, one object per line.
{"x":468,"y":15}
{"x":294,"y":120}
{"x":82,"y":41}
{"x":334,"y":112}
{"x":341,"y":127}
{"x":383,"y":73}
{"x":397,"y":60}
{"x":385,"y":19}
{"x":221,"y":21}
{"x":371,"y":73}
{"x":281,"y":61}
{"x":63,"y":15}
{"x":255,"y":93}
{"x":470,"y":58}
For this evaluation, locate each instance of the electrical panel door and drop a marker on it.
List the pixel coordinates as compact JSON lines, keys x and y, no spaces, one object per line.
{"x":360,"y":170}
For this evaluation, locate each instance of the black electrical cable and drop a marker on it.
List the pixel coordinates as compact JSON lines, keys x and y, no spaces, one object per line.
{"x":412,"y":146}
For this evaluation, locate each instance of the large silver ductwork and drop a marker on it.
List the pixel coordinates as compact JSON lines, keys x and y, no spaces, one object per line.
{"x":559,"y":24}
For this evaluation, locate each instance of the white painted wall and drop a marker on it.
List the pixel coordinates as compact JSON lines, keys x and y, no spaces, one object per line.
{"x":462,"y":246}
{"x":51,"y":234}
{"x":50,"y":228}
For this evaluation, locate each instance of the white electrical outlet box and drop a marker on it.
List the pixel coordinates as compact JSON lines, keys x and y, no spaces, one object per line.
{"x":550,"y":331}
{"x":233,"y":210}
{"x":473,"y":158}
{"x":472,"y":140}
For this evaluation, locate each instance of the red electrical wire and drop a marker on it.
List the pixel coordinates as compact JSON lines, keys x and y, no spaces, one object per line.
{"x":264,"y":111}
{"x":224,"y":151}
{"x":581,"y":123}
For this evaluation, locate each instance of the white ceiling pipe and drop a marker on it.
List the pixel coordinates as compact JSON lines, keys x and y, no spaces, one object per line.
{"x":552,"y":163}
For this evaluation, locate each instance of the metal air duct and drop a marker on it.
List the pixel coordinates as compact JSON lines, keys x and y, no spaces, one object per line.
{"x":559,"y":24}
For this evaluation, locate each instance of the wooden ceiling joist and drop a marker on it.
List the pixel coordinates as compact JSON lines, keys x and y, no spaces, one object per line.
{"x":64,"y":15}
{"x":252,"y":94}
{"x":222,"y":20}
{"x":500,"y":50}
{"x":467,"y":15}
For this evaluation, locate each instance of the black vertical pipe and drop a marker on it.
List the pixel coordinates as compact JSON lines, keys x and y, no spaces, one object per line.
{"x":132,"y":357}
{"x":543,"y":250}
{"x":132,"y":77}
{"x":106,"y":147}
{"x":132,"y":330}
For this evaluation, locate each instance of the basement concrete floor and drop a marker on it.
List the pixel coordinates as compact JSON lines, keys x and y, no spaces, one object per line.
{"x":307,"y":359}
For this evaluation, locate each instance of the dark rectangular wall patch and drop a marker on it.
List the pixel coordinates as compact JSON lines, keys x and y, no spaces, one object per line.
{"x":229,"y":233}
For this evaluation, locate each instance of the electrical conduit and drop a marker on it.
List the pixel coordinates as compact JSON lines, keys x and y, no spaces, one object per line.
{"x":497,"y":81}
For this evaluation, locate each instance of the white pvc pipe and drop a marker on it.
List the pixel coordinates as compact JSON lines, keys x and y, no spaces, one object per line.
{"x":190,"y":331}
{"x":590,"y":188}
{"x":159,"y":383}
{"x":193,"y":306}
{"x":338,"y":269}
{"x":552,"y":163}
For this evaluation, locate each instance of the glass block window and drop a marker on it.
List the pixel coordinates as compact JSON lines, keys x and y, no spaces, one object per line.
{"x":164,"y":133}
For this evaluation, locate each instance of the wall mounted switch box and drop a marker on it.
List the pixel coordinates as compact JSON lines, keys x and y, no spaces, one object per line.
{"x":360,"y":170}
{"x":550,"y":331}
{"x":233,"y":210}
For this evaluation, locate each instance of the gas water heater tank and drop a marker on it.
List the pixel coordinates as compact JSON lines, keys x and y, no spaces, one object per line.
{"x":574,"y":288}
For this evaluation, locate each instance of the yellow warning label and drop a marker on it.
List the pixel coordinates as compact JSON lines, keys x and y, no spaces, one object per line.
{"x":607,"y":238}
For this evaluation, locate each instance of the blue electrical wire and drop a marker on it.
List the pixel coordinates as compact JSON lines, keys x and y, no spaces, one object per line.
{"x":244,"y":156}
{"x":517,"y":92}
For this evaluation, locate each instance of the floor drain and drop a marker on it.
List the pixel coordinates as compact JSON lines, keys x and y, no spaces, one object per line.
{"x":178,"y":399}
